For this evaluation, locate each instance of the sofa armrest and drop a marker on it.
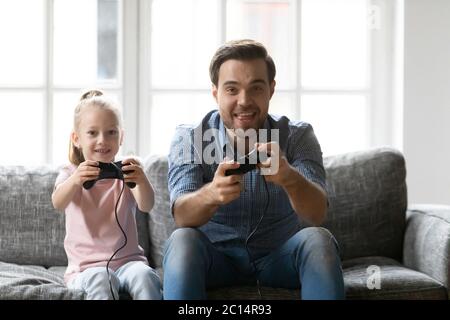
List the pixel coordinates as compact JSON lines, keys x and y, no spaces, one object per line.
{"x":427,"y":241}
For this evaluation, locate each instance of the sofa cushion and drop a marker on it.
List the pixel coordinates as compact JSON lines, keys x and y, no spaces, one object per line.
{"x":252,"y":293}
{"x":33,"y":282}
{"x":367,"y":202}
{"x":395,"y":281}
{"x":31,"y":231}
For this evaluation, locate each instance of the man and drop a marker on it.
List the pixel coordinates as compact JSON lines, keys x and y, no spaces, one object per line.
{"x":248,"y":228}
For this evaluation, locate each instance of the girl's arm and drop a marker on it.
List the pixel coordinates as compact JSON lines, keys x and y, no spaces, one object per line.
{"x":143,"y":192}
{"x":64,"y":192}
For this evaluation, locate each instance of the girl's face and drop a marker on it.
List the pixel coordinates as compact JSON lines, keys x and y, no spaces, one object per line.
{"x":99,"y":135}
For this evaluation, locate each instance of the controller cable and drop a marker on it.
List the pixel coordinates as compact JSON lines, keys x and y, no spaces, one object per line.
{"x":121,"y":229}
{"x":266,"y":206}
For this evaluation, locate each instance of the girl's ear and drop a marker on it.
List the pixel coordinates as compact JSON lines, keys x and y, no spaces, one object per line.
{"x":75,"y":139}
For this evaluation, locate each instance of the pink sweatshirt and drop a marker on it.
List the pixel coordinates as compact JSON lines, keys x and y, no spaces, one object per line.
{"x":92,"y":233}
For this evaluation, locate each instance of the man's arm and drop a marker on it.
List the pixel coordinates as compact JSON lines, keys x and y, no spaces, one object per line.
{"x":307,"y":198}
{"x":196,"y":208}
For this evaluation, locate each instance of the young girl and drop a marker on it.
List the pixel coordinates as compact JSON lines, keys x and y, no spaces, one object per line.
{"x":92,"y":233}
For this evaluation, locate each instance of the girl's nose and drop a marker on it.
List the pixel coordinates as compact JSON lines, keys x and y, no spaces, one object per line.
{"x":101,"y":138}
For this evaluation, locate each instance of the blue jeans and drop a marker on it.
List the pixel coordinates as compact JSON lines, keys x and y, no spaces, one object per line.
{"x":309,"y":260}
{"x":135,"y":277}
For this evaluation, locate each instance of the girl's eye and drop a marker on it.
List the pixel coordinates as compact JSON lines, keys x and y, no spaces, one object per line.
{"x":112,"y":132}
{"x":91,"y":133}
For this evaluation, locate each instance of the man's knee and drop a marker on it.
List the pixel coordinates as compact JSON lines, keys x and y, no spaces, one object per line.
{"x":184,"y":237}
{"x":319,"y":239}
{"x":185,"y":243}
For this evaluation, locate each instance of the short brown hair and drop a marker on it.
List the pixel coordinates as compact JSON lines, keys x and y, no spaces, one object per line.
{"x":245,"y":49}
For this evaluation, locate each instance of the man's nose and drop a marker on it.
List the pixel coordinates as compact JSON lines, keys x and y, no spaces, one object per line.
{"x":244,"y":98}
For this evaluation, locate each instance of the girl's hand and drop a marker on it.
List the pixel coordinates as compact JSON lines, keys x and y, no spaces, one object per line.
{"x":143,"y":193}
{"x":136,"y":173}
{"x":86,"y":171}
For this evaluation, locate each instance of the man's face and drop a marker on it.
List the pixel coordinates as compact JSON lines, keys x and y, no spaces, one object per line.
{"x":243,"y":93}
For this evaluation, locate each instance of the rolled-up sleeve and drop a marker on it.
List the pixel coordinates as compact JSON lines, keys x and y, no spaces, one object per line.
{"x":304,"y":153}
{"x":185,"y":174}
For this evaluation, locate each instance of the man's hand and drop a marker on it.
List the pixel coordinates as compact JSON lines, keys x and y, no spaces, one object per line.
{"x":224,"y":189}
{"x":307,"y":198}
{"x":196,"y":208}
{"x":275,"y":168}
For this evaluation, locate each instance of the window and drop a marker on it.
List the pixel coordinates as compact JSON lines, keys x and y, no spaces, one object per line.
{"x":323,"y":51}
{"x":65,"y":47}
{"x":332,"y":56}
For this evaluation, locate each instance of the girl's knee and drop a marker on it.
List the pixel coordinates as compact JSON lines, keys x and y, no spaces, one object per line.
{"x":147,"y":285}
{"x":98,"y":284}
{"x":149,"y":275}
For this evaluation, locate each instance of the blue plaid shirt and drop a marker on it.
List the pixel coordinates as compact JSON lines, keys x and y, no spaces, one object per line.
{"x":235,"y":221}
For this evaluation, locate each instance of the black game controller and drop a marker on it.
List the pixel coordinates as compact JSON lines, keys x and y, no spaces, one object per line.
{"x":247,"y":163}
{"x":109,"y":171}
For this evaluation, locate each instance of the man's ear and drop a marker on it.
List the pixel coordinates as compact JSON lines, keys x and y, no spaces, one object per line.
{"x":272,"y":88}
{"x":75,"y":139}
{"x":122,"y":132}
{"x":214,"y":92}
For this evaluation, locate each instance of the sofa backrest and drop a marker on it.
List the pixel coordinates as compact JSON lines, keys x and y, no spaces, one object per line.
{"x":367,"y":203}
{"x":161,"y":222}
{"x":31,"y":231}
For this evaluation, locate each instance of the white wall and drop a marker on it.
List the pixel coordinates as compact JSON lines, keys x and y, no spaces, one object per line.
{"x":427,"y":100}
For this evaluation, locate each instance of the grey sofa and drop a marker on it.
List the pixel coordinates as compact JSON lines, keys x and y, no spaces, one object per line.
{"x":387,"y":251}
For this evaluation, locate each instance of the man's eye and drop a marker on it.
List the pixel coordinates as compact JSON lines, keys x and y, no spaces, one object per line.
{"x":231,"y":90}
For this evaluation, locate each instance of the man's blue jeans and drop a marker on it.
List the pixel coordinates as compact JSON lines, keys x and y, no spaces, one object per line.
{"x":308,"y":260}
